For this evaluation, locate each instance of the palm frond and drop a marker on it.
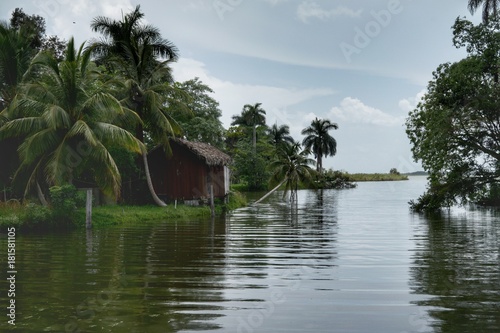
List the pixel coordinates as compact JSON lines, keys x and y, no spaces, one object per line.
{"x":20,"y":127}
{"x":37,"y":145}
{"x":110,"y":134}
{"x":81,"y":129}
{"x":56,"y":117}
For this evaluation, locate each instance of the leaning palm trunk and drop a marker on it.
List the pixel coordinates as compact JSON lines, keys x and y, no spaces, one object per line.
{"x":156,"y":199}
{"x":271,"y":192}
{"x":41,"y":196}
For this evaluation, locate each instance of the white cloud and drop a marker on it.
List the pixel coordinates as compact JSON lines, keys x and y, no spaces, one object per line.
{"x":233,"y":96}
{"x":115,"y":9}
{"x":311,"y":9}
{"x":409,"y":104}
{"x":275,"y":2}
{"x":353,"y":110}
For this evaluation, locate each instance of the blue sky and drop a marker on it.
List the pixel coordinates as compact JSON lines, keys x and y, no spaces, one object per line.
{"x":360,"y":63}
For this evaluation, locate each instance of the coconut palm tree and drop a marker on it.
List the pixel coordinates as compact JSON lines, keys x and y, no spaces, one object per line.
{"x":252,"y":116}
{"x":490,"y":7}
{"x":292,"y":166}
{"x":142,"y":57}
{"x":66,"y":120}
{"x":280,"y":135}
{"x":319,"y":141}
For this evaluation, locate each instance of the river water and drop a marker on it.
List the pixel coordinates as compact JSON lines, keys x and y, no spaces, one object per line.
{"x":341,"y":261}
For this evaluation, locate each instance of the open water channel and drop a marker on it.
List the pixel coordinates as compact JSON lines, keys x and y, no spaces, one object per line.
{"x":344,"y":261}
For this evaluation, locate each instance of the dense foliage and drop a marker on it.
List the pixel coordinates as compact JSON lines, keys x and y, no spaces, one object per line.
{"x":455,"y":130}
{"x":86,"y":116}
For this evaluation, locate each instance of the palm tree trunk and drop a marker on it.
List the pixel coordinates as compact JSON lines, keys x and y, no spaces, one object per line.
{"x":40,"y":194}
{"x":271,"y":192}
{"x":156,"y":199}
{"x":254,"y":139}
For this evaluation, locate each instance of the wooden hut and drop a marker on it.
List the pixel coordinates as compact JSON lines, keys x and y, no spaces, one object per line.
{"x":187,"y":173}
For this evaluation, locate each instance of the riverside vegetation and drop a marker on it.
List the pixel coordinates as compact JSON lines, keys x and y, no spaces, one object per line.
{"x":67,"y":211}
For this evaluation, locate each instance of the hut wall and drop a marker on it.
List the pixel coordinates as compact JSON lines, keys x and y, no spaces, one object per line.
{"x":217,"y":173}
{"x":184,"y":176}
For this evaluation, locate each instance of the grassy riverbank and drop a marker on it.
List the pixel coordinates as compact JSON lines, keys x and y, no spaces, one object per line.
{"x":121,"y":215}
{"x":32,"y":217}
{"x":375,"y":177}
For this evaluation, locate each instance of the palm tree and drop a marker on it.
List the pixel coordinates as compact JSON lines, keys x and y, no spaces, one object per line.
{"x":490,"y":7}
{"x":252,"y":116}
{"x":291,"y":166}
{"x":142,"y":57}
{"x":319,"y":141}
{"x":66,"y":119}
{"x":280,"y":135}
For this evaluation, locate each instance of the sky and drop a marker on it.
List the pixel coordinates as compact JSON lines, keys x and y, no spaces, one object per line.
{"x":362,"y":64}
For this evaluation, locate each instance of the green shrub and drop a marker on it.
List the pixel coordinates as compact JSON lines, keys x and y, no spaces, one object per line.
{"x":36,"y":217}
{"x":235,"y":200}
{"x":65,"y":200}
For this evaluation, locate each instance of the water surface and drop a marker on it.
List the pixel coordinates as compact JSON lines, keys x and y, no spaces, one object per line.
{"x":341,"y":261}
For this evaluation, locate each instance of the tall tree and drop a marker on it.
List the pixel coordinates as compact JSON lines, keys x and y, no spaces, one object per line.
{"x":66,"y":119}
{"x":35,"y":24}
{"x":319,"y":141}
{"x":455,"y":130}
{"x":15,"y":57}
{"x":490,"y":8}
{"x":252,"y":116}
{"x":142,"y":57}
{"x":203,"y":124}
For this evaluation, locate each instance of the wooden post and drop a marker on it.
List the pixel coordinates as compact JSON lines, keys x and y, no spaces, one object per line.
{"x":212,"y":206}
{"x":88,"y":209}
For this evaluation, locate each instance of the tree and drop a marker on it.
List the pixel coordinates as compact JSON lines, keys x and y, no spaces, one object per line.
{"x":251,"y":166}
{"x":142,"y":57}
{"x":279,"y":135}
{"x":394,"y":171}
{"x":15,"y":57}
{"x":203,"y":124}
{"x":35,"y":24}
{"x":455,"y":130}
{"x":66,"y":120}
{"x":319,"y":141}
{"x":251,"y":116}
{"x":490,"y":7}
{"x":293,"y":166}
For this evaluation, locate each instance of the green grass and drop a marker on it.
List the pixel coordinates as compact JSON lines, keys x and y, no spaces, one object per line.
{"x":35,"y":217}
{"x":375,"y":177}
{"x":121,"y":215}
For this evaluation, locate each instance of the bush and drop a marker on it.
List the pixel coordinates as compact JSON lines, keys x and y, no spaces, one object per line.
{"x":235,"y":200}
{"x":36,"y":217}
{"x":394,"y":171}
{"x":65,"y":200}
{"x":334,"y":180}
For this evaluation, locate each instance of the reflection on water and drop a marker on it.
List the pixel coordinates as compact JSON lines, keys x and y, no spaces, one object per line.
{"x":342,"y":261}
{"x":457,"y":264}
